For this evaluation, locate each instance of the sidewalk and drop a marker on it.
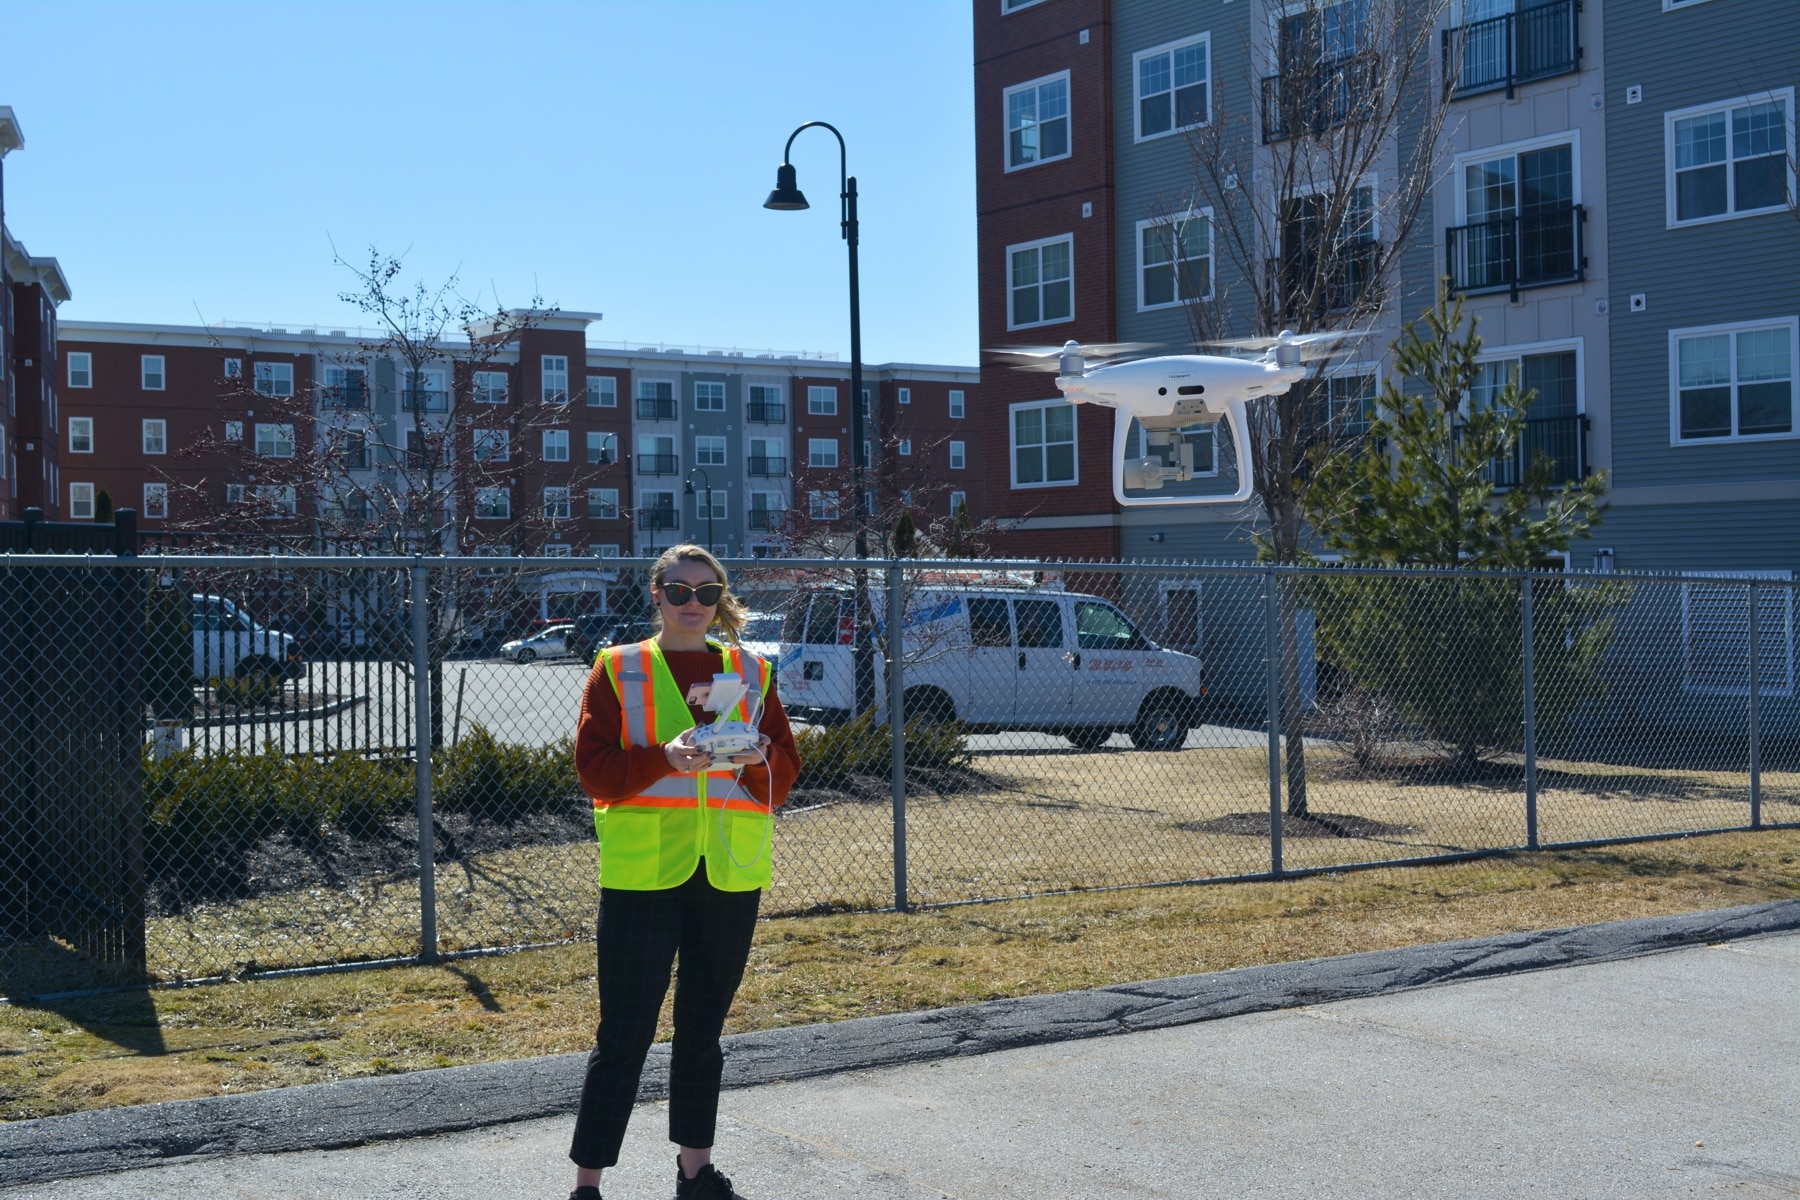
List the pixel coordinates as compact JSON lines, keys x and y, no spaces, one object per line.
{"x":1676,"y":1074}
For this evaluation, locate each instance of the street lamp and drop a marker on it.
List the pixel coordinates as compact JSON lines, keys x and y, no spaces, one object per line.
{"x":707,"y":484}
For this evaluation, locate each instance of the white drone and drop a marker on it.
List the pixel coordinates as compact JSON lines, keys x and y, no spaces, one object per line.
{"x":1172,"y":394}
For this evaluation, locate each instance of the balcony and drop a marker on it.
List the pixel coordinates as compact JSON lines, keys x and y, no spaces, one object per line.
{"x":352,"y":396}
{"x":1300,"y":285}
{"x":766,"y":518}
{"x":1505,"y":51}
{"x":658,"y":464}
{"x":1514,"y":253}
{"x":659,"y":518}
{"x":1561,"y":440}
{"x":766,"y":412}
{"x":651,"y":409}
{"x":1312,"y":100}
{"x":768,"y":468}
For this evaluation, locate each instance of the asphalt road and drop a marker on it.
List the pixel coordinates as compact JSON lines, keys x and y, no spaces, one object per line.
{"x":1673,"y":1075}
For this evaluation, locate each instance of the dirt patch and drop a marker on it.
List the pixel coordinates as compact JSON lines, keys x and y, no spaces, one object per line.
{"x":1316,"y":825}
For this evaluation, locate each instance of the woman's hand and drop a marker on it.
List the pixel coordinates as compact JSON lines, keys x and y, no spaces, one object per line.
{"x":684,"y":756}
{"x":752,"y":757}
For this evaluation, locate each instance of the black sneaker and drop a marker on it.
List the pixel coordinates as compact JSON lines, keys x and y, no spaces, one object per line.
{"x":585,"y":1193}
{"x":707,"y":1185}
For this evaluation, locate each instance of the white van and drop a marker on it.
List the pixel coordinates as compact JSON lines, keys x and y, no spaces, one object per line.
{"x":228,"y":644}
{"x":1000,"y":658}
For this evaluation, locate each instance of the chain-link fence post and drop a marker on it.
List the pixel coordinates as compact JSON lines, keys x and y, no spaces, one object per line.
{"x":1755,"y":712}
{"x":896,"y":646}
{"x":1530,"y":687}
{"x":422,"y":726}
{"x":1272,"y":619}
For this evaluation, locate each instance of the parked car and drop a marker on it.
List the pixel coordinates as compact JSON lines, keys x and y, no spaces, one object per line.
{"x":1000,"y":658}
{"x":600,"y":630}
{"x":229,"y":644}
{"x":545,"y":643}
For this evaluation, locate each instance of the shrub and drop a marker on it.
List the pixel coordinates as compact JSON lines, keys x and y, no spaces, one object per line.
{"x":831,"y":753}
{"x":481,"y":774}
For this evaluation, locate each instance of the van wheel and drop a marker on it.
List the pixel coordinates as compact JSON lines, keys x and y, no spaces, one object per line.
{"x":930,"y":705}
{"x":1088,"y":737}
{"x":1162,"y":722}
{"x":259,"y":668}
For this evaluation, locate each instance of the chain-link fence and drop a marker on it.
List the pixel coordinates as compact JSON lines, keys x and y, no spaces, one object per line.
{"x":218,"y":766}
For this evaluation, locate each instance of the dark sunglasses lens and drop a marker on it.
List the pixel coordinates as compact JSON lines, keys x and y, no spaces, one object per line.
{"x":680,"y":593}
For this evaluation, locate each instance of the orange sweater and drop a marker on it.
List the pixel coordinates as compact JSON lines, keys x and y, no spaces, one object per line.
{"x":610,"y":772}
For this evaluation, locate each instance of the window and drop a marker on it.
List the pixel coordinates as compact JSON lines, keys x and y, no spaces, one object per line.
{"x":234,"y":431}
{"x":1554,"y":428}
{"x":709,"y":397}
{"x":1522,"y":220}
{"x":418,"y":443}
{"x":234,"y":368}
{"x":156,"y":437}
{"x":274,"y":379}
{"x":150,"y":372}
{"x":81,"y":502}
{"x":765,"y":510}
{"x":905,"y":395}
{"x":1730,"y":160}
{"x":425,"y":391}
{"x":821,"y":401}
{"x":276,"y":498}
{"x":556,"y":445}
{"x":492,"y":445}
{"x":1043,"y":443}
{"x":274,"y":441}
{"x":81,"y":435}
{"x":156,"y":501}
{"x":493,"y":504}
{"x":956,"y":403}
{"x":765,"y":404}
{"x":1103,"y":627}
{"x":1715,"y":637}
{"x":355,"y":448}
{"x":656,"y":510}
{"x":602,"y":448}
{"x":81,"y":369}
{"x":556,"y":504}
{"x":709,"y":497}
{"x":1041,"y":285}
{"x":557,"y":550}
{"x":958,"y":459}
{"x":1037,"y":121}
{"x":234,"y":493}
{"x":1007,"y":6}
{"x":767,"y":458}
{"x":603,"y":550}
{"x":1734,"y":382}
{"x":1171,"y":87}
{"x":555,"y":378}
{"x":602,"y":391}
{"x":656,"y":455}
{"x":821,"y":452}
{"x":1350,"y":397}
{"x":490,"y":387}
{"x":1039,"y":624}
{"x":603,"y":504}
{"x":1174,"y":259}
{"x":822,"y":506}
{"x":709,"y":451}
{"x":346,"y":387}
{"x":656,"y":400}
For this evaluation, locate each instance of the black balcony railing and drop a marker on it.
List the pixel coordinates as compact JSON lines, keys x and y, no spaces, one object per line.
{"x":768,"y":468}
{"x":651,"y":409}
{"x":657,"y":464}
{"x":1303,"y":100}
{"x":1526,"y":251}
{"x":766,"y":412}
{"x":1560,"y":440}
{"x":1536,"y":42}
{"x":765,"y":518}
{"x":1302,"y":285}
{"x":348,"y":395}
{"x":659,"y":518}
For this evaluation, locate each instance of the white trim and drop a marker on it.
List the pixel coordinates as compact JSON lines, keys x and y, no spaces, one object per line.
{"x":713,"y":442}
{"x":836,"y":400}
{"x":1523,"y":349}
{"x":1006,"y":10}
{"x":1137,"y":99}
{"x":162,"y":373}
{"x":1674,"y":5}
{"x":88,"y":422}
{"x":604,"y":396}
{"x":546,"y":393}
{"x":544,"y":447}
{"x":957,"y":399}
{"x":1680,"y":114}
{"x":1570,"y":138}
{"x":1039,"y":245}
{"x":161,"y":490}
{"x":1204,"y":212}
{"x":813,"y":444}
{"x":87,"y":368}
{"x":1734,"y":327}
{"x":1012,"y":449}
{"x":90,"y":497}
{"x":162,"y":434}
{"x":1068,"y":117}
{"x":709,"y":384}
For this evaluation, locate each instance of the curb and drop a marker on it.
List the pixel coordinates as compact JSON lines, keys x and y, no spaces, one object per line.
{"x":352,"y":1112}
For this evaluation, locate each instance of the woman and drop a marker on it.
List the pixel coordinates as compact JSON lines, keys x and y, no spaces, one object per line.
{"x":684,"y":856}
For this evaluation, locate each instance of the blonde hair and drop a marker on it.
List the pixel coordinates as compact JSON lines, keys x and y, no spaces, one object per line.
{"x":731,"y":613}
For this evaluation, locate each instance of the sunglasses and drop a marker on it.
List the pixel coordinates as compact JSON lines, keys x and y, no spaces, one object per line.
{"x":678,"y":594}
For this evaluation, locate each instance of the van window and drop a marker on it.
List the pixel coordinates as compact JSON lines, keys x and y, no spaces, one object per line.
{"x":1040,"y":623}
{"x":988,"y":623}
{"x":793,"y":626}
{"x":822,"y":621}
{"x":1103,"y":627}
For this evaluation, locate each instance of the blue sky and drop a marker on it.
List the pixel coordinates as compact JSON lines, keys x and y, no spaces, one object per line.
{"x":197,"y":161}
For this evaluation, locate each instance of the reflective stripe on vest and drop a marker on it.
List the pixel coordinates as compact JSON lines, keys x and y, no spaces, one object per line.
{"x":635,"y":686}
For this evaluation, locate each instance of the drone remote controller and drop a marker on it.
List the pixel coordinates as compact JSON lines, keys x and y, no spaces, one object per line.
{"x":722,"y":739}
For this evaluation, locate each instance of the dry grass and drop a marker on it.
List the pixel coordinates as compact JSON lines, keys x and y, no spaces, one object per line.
{"x":168,"y":1044}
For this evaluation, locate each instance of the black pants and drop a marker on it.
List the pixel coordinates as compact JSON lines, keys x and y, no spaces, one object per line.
{"x":639,"y":936}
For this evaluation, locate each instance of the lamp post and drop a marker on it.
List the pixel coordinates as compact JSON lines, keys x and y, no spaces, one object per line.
{"x":787,"y":197}
{"x":706,"y":483}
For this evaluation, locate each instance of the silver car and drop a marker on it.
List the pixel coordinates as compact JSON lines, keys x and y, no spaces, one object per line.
{"x":545,"y":643}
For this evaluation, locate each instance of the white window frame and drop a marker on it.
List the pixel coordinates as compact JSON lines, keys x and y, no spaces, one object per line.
{"x":1783,"y":596}
{"x":1672,"y":5}
{"x":556,"y":445}
{"x":1068,"y":116}
{"x":957,"y":404}
{"x":904,"y":395}
{"x":234,"y":493}
{"x":490,"y":445}
{"x":709,"y":385}
{"x":821,"y":400}
{"x":82,"y":499}
{"x":824,"y":504}
{"x":156,"y":502}
{"x":553,"y":378}
{"x":155,"y":435}
{"x":81,"y":362}
{"x":1206,"y":214}
{"x":1725,"y":106}
{"x":1733,"y":328}
{"x":557,"y":550}
{"x":959,"y":454}
{"x":276,"y":439}
{"x":906,"y":447}
{"x":1039,"y":245}
{"x":721,"y":510}
{"x":1570,"y":138}
{"x":958,"y":499}
{"x":705,"y":444}
{"x":1512,"y":354}
{"x":81,"y":428}
{"x":1137,"y":97}
{"x":1372,"y":369}
{"x":270,"y":380}
{"x":490,"y":387}
{"x":599,"y":500}
{"x":602,"y":391}
{"x":485,"y":498}
{"x":559,"y":503}
{"x":148,"y":372}
{"x":597,"y":455}
{"x":603,"y":550}
{"x":1012,"y":448}
{"x":1008,"y":7}
{"x":234,"y":368}
{"x":815,"y":454}
{"x":282,"y":497}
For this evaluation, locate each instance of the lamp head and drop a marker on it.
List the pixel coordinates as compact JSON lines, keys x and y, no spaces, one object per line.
{"x":787,"y":196}
{"x":689,"y":488}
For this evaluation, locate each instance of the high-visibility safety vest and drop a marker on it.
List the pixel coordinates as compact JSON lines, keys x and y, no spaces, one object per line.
{"x":655,"y":839}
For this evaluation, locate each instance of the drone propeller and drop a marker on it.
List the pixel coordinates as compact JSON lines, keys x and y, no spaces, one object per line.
{"x":1312,"y":346}
{"x":1088,"y":349}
